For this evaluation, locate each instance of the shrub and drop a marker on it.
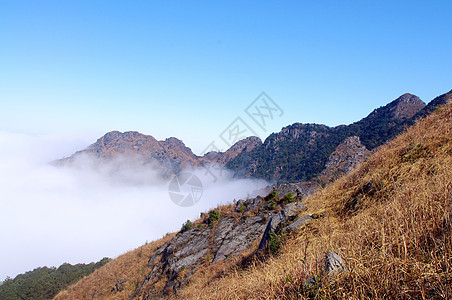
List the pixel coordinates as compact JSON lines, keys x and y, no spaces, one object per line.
{"x":271,"y":205}
{"x":213,"y":216}
{"x":272,"y":196}
{"x":288,"y":198}
{"x":275,"y":243}
{"x":186,"y":226}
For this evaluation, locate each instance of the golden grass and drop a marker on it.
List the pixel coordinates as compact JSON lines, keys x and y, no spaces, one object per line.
{"x":390,"y":220}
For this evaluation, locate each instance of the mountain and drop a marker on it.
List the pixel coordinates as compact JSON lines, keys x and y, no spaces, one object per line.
{"x":381,"y":231}
{"x":170,"y":155}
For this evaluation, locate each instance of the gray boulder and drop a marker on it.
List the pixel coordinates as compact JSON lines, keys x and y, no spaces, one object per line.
{"x":334,"y":263}
{"x":300,"y":222}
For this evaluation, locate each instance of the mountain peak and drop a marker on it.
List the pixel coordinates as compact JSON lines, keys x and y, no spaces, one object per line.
{"x":406,"y":106}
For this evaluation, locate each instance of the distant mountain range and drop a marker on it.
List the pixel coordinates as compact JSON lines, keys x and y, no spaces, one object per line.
{"x":299,"y":152}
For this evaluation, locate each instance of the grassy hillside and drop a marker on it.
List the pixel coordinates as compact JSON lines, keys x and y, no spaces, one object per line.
{"x":389,"y":220}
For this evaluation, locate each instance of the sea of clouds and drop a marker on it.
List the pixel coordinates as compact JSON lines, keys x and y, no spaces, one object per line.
{"x":50,"y":215}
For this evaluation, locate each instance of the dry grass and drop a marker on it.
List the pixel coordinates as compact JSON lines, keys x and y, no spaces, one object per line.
{"x":130,"y":266}
{"x":390,"y":221}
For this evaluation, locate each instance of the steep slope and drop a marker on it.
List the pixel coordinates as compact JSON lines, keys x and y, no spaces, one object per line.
{"x":390,"y":221}
{"x":386,"y":122}
{"x":220,"y":238}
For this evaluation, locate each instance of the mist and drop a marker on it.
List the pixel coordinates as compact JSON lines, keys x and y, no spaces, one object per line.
{"x":50,"y":215}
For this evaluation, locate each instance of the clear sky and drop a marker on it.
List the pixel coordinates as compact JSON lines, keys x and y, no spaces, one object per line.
{"x":189,"y":68}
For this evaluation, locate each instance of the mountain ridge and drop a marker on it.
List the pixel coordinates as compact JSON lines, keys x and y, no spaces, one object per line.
{"x":297,"y":152}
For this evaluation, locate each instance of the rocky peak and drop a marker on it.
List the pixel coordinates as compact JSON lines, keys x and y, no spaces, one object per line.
{"x":406,"y":106}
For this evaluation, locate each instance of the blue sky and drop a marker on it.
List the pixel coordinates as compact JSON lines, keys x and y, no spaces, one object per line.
{"x":189,"y":68}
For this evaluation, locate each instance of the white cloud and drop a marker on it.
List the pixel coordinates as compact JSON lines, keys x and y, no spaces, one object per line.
{"x":51,"y":215}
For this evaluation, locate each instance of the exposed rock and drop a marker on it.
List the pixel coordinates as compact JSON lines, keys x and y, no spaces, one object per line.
{"x":118,"y":286}
{"x":333,"y":263}
{"x":406,"y":106}
{"x":170,"y":155}
{"x":299,"y":190}
{"x":241,"y":237}
{"x":290,"y":211}
{"x":240,"y":206}
{"x":300,"y":222}
{"x":347,"y":156}
{"x":222,"y":158}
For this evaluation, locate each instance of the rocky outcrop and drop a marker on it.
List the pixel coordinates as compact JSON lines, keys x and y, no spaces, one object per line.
{"x":300,"y":222}
{"x":249,"y":221}
{"x":299,"y":152}
{"x":406,"y":106}
{"x":347,"y":156}
{"x":278,"y":220}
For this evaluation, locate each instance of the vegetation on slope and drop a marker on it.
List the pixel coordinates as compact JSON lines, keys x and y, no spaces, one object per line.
{"x":390,"y":221}
{"x":45,"y":283}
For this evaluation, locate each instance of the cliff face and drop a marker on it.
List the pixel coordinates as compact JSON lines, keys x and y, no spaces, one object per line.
{"x":347,"y":156}
{"x":406,"y":106}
